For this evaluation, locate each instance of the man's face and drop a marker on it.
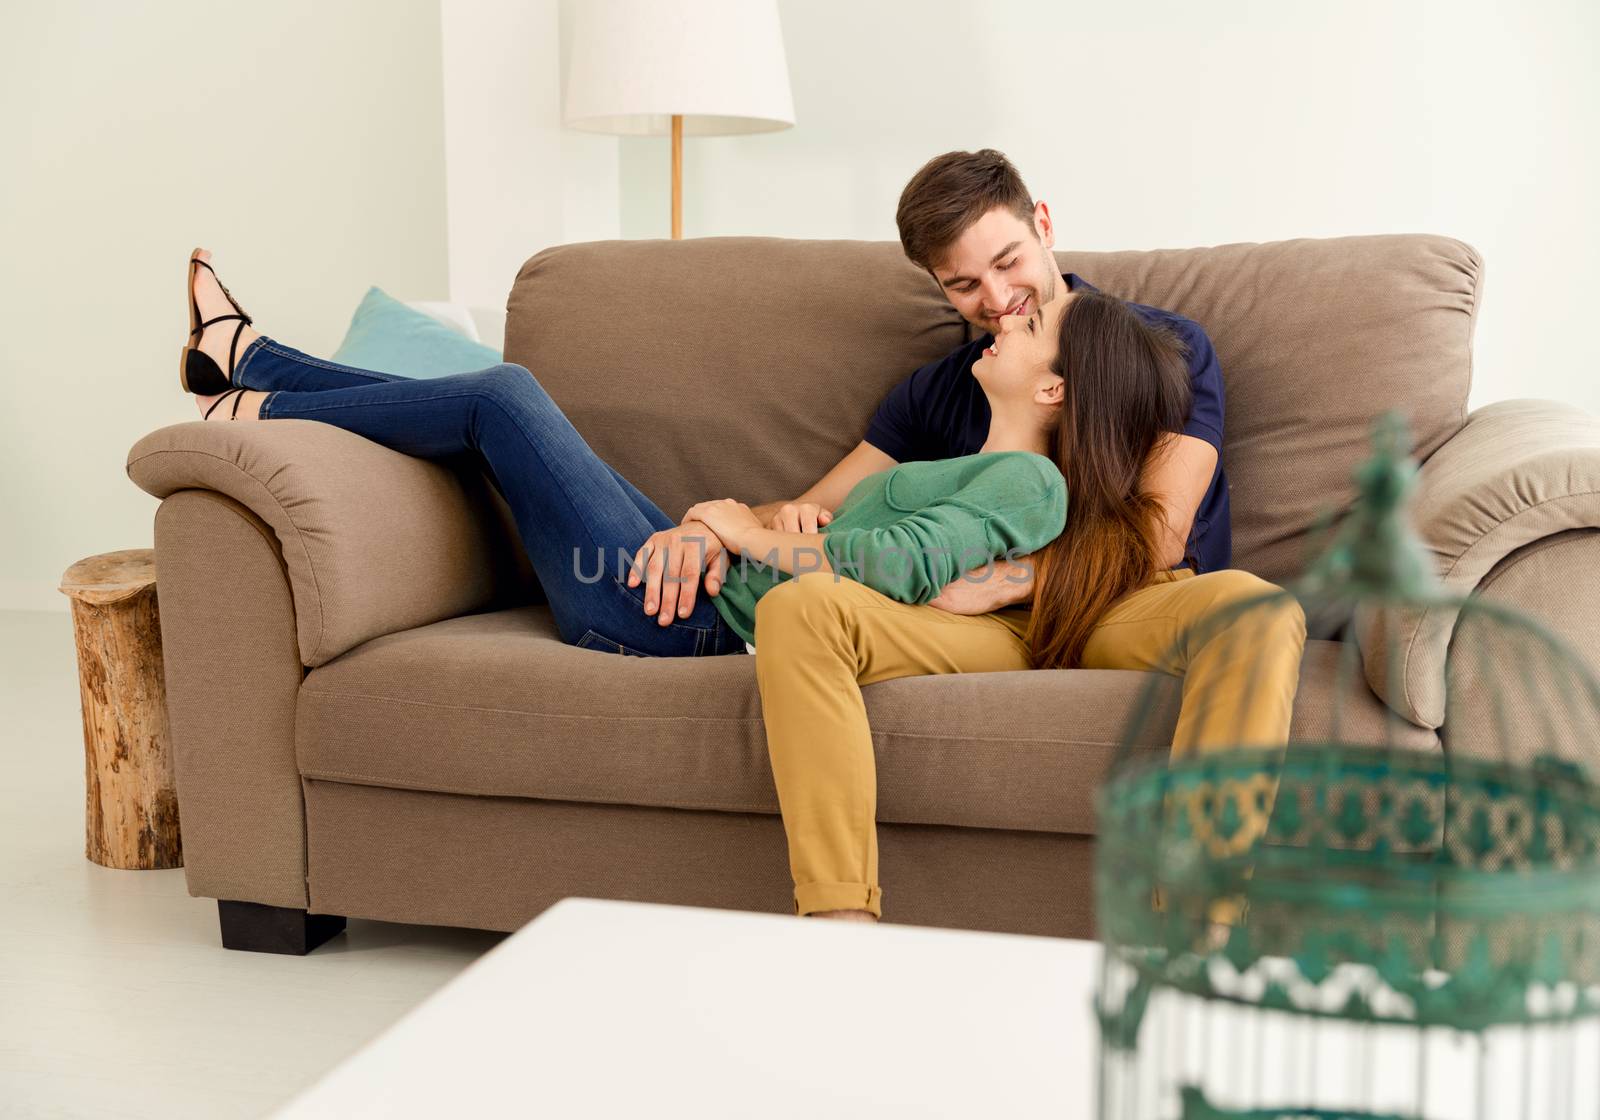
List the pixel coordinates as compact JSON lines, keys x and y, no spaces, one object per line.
{"x":1000,"y":267}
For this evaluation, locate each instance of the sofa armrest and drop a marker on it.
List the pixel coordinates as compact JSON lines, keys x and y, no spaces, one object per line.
{"x":1517,"y":472}
{"x":374,"y":541}
{"x":233,"y":673}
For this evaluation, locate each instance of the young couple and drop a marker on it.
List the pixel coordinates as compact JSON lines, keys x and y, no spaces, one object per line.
{"x":1077,"y":443}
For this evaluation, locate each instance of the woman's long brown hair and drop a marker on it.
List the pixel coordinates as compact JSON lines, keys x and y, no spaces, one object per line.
{"x":1126,"y":387}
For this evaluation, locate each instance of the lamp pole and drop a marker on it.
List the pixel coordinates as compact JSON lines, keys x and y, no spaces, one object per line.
{"x":677,"y":176}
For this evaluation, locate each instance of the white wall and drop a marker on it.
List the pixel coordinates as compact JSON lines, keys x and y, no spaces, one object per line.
{"x":1172,"y":123}
{"x":301,"y":141}
{"x":517,"y":181}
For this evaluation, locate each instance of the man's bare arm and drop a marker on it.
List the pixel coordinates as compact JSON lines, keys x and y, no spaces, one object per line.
{"x":829,"y":490}
{"x":1178,"y":473}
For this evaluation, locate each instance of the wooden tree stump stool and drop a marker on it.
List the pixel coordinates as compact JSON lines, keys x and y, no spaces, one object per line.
{"x":130,"y":800}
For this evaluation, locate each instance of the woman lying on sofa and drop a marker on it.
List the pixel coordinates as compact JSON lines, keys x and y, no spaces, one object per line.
{"x":1080,"y":393}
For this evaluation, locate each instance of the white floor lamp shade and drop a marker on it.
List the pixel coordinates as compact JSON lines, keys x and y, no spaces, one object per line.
{"x":695,"y":67}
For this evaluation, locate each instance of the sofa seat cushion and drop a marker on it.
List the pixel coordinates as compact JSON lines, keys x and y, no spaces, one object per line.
{"x":495,"y":704}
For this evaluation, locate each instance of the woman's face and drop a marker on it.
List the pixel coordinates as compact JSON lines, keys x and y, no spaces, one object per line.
{"x":1017,"y":366}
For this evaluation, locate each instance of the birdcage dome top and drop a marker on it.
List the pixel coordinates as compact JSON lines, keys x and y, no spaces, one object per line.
{"x":1355,"y":874}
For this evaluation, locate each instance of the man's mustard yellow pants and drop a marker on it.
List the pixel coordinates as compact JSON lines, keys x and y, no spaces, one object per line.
{"x":820,"y":637}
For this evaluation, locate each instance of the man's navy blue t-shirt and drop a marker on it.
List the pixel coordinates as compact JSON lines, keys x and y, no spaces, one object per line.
{"x":940,"y":412}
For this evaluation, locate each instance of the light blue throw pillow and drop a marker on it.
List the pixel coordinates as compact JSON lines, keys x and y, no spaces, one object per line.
{"x":387,"y":336}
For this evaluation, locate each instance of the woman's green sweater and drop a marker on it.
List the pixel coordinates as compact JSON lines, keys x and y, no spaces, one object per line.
{"x":913,"y":528}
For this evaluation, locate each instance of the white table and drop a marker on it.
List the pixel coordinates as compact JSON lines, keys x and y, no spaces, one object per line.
{"x":625,"y":1009}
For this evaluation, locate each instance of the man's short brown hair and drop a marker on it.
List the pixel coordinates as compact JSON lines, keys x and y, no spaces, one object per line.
{"x":949,"y":194}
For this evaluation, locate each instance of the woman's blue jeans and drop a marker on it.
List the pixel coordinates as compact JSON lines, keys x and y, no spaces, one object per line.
{"x":580,"y":521}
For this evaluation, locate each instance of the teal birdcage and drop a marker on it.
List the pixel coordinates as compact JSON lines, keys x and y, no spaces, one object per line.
{"x":1363,"y":924}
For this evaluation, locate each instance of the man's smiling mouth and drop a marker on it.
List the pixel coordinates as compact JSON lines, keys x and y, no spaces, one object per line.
{"x":1018,"y":309}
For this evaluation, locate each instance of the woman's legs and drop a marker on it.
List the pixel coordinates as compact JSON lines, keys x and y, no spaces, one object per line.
{"x":578,"y":521}
{"x":819,"y":638}
{"x":294,"y":371}
{"x":284,"y":367}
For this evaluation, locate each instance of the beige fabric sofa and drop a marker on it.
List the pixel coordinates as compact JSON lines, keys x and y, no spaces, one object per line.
{"x":372,"y":714}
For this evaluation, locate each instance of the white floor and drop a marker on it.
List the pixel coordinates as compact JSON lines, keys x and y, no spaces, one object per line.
{"x":116,"y":996}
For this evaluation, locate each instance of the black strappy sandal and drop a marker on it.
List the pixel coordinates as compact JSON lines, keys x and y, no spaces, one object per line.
{"x":234,"y":415}
{"x":198,"y":372}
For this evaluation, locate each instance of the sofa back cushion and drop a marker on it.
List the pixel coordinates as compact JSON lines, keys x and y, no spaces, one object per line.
{"x":1317,"y":339}
{"x":746,"y":367}
{"x":725,"y":367}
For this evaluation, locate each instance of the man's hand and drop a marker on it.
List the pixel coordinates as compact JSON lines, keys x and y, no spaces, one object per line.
{"x":799,"y":517}
{"x":989,"y":588}
{"x":672,"y":560}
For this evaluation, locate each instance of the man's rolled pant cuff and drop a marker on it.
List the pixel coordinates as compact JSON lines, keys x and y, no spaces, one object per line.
{"x":811,"y":897}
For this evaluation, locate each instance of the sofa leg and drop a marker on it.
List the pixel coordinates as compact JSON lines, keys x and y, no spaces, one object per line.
{"x":257,"y":928}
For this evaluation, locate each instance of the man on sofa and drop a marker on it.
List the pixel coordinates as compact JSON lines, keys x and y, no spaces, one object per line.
{"x":968,"y":219}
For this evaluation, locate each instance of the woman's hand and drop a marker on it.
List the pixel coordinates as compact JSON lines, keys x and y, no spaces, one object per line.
{"x":729,"y":519}
{"x":669,"y":564}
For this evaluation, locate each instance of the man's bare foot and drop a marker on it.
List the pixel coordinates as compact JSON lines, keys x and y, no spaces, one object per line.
{"x":249,"y":405}
{"x":845,"y":915}
{"x":217,"y":339}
